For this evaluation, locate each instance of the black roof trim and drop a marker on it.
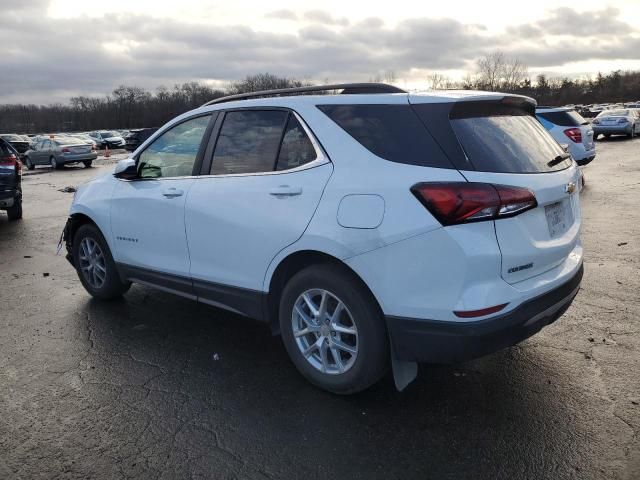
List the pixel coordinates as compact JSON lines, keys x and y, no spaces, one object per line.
{"x":347,"y":88}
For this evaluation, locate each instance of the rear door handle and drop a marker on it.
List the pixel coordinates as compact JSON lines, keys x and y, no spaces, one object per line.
{"x":172,"y":192}
{"x":285,"y":191}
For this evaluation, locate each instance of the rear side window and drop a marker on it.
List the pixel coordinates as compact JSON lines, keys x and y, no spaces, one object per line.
{"x":248,"y":141}
{"x":564,"y":119}
{"x":296,"y":148}
{"x":508,"y":144}
{"x":392,"y":132}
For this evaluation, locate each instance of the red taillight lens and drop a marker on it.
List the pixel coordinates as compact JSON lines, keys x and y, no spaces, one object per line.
{"x":11,"y":161}
{"x":66,"y":150}
{"x":574,"y":134}
{"x":462,"y":202}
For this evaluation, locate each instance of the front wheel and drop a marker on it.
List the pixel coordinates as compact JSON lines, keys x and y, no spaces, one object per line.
{"x":54,"y":163}
{"x":29,"y":164}
{"x":333,"y":329}
{"x":95,"y":266}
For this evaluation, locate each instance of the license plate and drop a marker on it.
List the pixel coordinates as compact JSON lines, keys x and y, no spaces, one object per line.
{"x":559,"y":217}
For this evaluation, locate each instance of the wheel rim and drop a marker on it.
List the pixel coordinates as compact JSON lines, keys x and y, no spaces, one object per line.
{"x":92,"y":262}
{"x":324,"y":331}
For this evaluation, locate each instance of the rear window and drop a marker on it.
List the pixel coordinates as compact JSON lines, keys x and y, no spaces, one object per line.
{"x":564,"y":119}
{"x":392,"y":132}
{"x":508,"y":144}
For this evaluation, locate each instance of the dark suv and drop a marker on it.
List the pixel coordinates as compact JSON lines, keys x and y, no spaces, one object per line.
{"x":135,"y":137}
{"x":10,"y":181}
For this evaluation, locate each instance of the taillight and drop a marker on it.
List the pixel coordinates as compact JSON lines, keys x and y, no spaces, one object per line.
{"x":11,"y":161}
{"x":574,"y":134}
{"x":462,"y":202}
{"x":623,"y":120}
{"x":66,"y":150}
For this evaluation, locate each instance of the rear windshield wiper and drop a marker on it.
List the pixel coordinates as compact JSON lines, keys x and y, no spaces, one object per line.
{"x":558,"y":159}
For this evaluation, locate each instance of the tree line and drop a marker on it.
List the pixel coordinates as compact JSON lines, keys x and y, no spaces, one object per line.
{"x":133,"y":107}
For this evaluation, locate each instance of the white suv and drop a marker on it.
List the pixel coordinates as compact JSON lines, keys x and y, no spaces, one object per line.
{"x":369,"y":228}
{"x":568,"y":127}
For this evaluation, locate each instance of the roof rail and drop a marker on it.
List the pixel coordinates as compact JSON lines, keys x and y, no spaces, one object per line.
{"x":347,"y":88}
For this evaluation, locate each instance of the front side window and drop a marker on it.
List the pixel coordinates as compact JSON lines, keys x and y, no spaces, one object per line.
{"x":174,"y":153}
{"x":248,"y":141}
{"x":296,"y":148}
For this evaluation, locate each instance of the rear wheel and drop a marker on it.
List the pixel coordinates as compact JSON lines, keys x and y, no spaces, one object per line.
{"x":15,"y":212}
{"x":95,"y":266}
{"x":87,"y":163}
{"x":333,"y":329}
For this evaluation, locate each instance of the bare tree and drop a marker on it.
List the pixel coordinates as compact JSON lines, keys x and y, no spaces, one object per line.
{"x":498,"y":72}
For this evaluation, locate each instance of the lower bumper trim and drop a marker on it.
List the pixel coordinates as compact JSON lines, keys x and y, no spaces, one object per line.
{"x":436,"y":341}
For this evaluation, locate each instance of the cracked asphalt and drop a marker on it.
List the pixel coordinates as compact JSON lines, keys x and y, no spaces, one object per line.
{"x":155,"y":386}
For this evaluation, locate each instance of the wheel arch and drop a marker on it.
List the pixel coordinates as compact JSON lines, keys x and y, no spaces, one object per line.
{"x":292,"y":264}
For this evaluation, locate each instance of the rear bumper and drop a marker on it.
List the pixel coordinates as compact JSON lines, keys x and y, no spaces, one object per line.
{"x":435,"y":341}
{"x":624,"y":129}
{"x":77,"y":157}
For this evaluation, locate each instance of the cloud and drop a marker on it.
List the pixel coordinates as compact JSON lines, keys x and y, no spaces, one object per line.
{"x":282,"y":14}
{"x":320,"y":16}
{"x":46,"y":59}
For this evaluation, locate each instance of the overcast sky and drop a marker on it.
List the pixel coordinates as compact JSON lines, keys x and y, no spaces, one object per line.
{"x":55,"y":49}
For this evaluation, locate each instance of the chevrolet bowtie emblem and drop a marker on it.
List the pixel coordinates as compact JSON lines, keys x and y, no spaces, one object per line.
{"x":570,"y":187}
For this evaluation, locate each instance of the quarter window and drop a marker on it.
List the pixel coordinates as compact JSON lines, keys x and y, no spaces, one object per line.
{"x":248,"y":141}
{"x":174,"y":153}
{"x":296,"y":148}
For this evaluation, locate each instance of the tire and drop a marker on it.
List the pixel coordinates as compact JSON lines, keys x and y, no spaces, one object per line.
{"x":15,"y":211}
{"x":352,"y":373}
{"x":607,"y":136}
{"x":111,"y":285}
{"x":87,"y":163}
{"x":28,"y":164}
{"x":54,"y":163}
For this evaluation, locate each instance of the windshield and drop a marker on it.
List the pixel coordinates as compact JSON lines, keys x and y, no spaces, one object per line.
{"x":509,"y":144}
{"x":569,"y":118}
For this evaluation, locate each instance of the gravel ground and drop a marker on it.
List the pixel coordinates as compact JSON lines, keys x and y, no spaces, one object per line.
{"x":154,"y":386}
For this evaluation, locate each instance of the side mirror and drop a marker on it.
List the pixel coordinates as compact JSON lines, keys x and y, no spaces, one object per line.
{"x":126,"y":169}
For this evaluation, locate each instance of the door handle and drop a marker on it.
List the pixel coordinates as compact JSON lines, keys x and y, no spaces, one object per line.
{"x":285,"y":191}
{"x":172,"y":192}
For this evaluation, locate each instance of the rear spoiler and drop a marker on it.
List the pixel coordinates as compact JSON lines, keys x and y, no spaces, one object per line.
{"x":507,"y":105}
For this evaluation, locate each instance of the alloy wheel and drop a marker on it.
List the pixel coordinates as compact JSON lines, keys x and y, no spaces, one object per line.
{"x":325,"y":331}
{"x":92,"y":262}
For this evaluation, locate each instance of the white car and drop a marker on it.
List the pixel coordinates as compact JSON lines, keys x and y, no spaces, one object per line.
{"x":369,"y":228}
{"x":570,"y":128}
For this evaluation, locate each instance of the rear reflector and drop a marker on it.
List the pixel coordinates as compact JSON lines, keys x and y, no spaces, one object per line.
{"x":574,"y":134}
{"x":462,"y":202}
{"x":479,"y":313}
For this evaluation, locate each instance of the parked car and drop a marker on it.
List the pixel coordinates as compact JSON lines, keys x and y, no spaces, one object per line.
{"x":136,"y":137}
{"x":17,"y":142}
{"x":568,"y":127}
{"x":10,"y":181}
{"x":368,"y":228}
{"x":617,"y":122}
{"x":86,"y":139}
{"x":59,"y":151}
{"x":107,"y":138}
